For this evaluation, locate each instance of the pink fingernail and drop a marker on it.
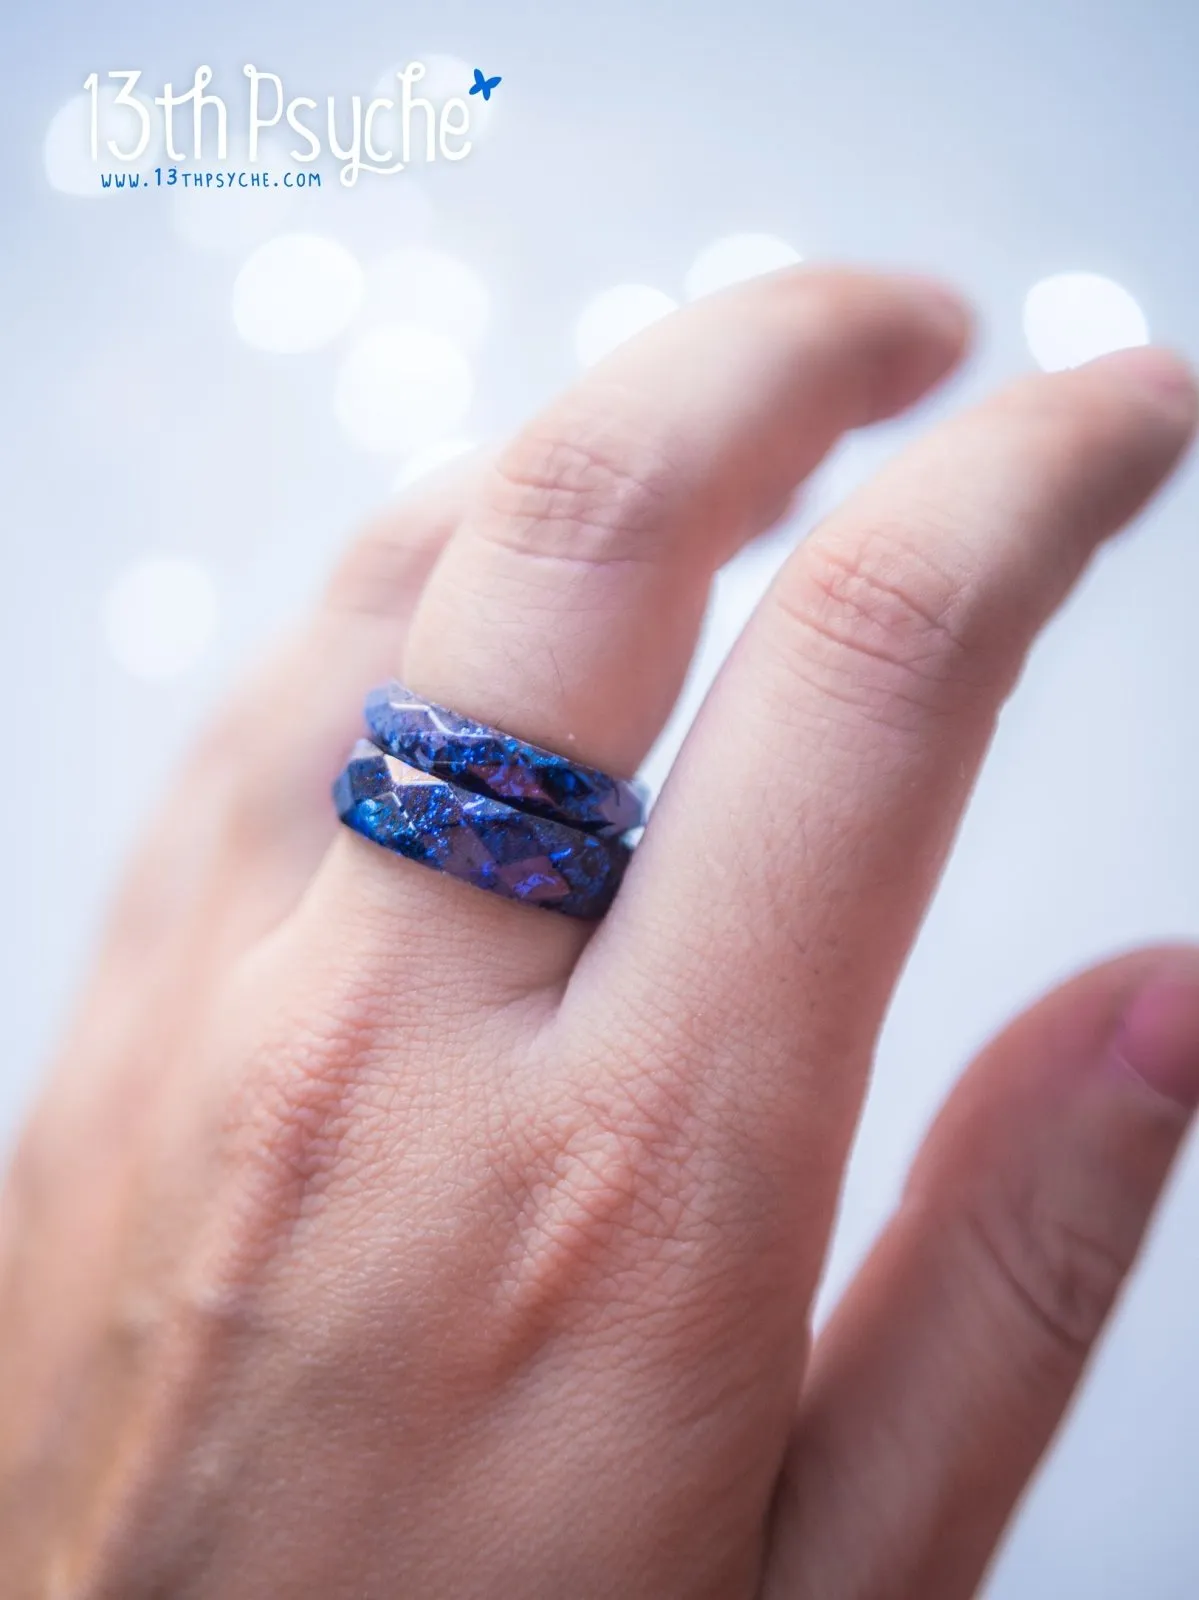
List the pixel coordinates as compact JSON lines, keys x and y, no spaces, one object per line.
{"x":939,"y":303}
{"x":1159,"y":370}
{"x":1158,"y":1036}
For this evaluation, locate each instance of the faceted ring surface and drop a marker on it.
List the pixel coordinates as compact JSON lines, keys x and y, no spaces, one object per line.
{"x":482,"y":759}
{"x":483,"y":841}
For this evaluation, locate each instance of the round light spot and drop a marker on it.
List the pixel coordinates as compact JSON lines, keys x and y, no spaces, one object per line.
{"x":401,"y":389}
{"x":159,"y":616}
{"x":67,"y":150}
{"x":616,"y":315}
{"x":1073,"y":317}
{"x":734,"y":259}
{"x":430,"y":289}
{"x":296,"y":293}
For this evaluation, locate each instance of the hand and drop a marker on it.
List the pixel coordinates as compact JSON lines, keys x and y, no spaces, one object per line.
{"x":379,"y":1238}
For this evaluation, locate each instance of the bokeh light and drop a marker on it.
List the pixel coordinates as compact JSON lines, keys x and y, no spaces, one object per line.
{"x":1073,"y":317}
{"x":401,"y":388}
{"x":735,"y":258}
{"x":430,"y":289}
{"x":616,"y":315}
{"x":159,"y":616}
{"x":296,"y":293}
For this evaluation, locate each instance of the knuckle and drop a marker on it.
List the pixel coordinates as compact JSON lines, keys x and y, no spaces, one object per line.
{"x":311,"y":1118}
{"x":880,"y":620}
{"x":285,"y":1131}
{"x":608,"y":1188}
{"x":1055,"y":1272}
{"x":585,"y":487}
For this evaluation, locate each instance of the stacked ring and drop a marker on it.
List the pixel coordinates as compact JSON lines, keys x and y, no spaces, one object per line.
{"x":487,"y":808}
{"x":499,"y":765}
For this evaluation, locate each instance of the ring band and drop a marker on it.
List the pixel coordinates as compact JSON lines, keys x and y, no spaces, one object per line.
{"x":482,"y":759}
{"x":473,"y":837}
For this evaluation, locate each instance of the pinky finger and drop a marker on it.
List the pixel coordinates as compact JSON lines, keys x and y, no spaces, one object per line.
{"x":945,"y":1372}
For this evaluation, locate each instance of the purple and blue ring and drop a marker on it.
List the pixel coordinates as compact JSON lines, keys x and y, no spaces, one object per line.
{"x":482,"y":841}
{"x":500,"y":766}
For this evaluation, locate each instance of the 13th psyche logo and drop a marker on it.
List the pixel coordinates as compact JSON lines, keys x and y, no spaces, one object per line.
{"x":383,"y":134}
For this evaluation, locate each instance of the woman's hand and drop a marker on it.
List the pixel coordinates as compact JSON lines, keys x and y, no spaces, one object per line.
{"x":379,"y":1238}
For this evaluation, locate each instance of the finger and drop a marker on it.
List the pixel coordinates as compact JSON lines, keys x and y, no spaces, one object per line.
{"x":795,"y":846}
{"x":943,"y":1375}
{"x":566,"y":607}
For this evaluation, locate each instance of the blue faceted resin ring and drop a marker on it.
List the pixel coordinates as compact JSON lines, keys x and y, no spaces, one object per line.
{"x":500,"y":766}
{"x":473,"y":837}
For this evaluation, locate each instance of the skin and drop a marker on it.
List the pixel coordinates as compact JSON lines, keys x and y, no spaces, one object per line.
{"x":376,"y":1237}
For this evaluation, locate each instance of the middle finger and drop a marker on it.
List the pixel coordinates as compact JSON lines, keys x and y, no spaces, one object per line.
{"x":567,"y":607}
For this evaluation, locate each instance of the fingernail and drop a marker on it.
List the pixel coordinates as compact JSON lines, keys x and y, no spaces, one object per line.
{"x":1160,"y":371}
{"x":940,"y":304}
{"x":1158,"y":1036}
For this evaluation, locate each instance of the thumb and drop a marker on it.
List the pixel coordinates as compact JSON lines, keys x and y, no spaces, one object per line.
{"x":946,"y":1370}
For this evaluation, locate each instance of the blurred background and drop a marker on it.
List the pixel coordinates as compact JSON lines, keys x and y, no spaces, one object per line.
{"x":203,"y":394}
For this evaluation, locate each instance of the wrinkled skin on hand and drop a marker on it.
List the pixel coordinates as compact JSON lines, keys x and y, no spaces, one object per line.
{"x":375,"y":1237}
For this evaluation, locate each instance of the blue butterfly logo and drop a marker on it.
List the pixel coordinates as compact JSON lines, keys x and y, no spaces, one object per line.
{"x":484,"y":86}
